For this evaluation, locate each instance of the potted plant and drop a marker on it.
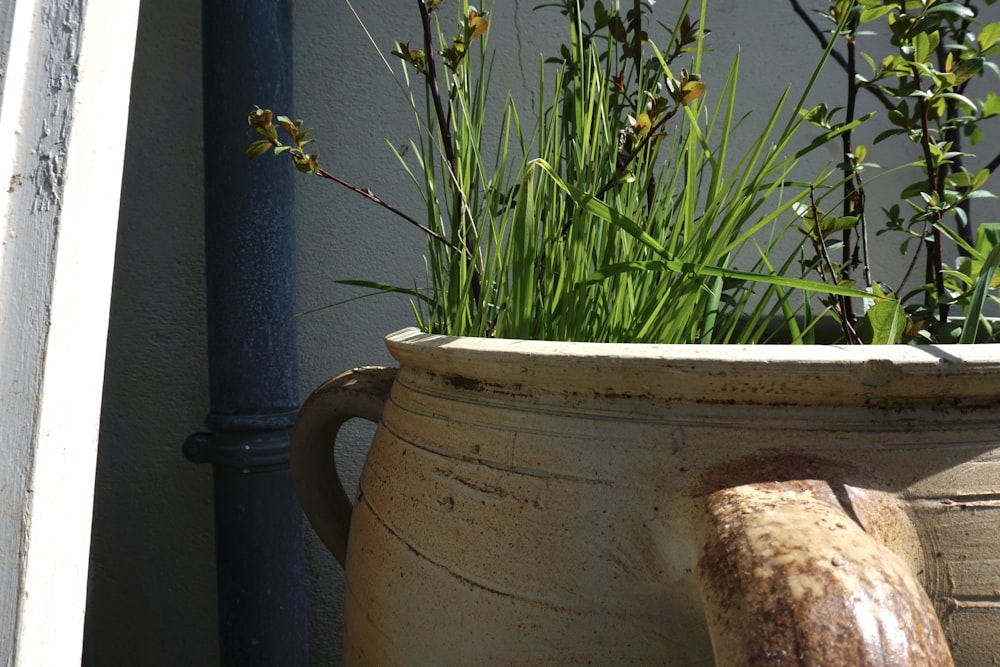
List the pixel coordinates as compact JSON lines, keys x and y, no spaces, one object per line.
{"x":589,"y":452}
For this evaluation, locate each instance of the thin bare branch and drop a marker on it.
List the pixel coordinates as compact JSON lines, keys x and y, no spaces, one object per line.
{"x":836,"y":55}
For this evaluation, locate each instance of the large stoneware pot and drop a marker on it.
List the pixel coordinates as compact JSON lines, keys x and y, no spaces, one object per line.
{"x":538,"y":503}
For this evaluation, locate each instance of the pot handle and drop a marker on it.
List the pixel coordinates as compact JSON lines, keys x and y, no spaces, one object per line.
{"x":789,"y":578}
{"x":361,"y":393}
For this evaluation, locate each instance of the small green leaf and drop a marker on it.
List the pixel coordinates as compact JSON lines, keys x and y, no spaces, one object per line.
{"x":840,"y":9}
{"x":415,"y":57}
{"x":966,"y":180}
{"x":967,"y":69}
{"x":914,"y":189}
{"x":921,"y":47}
{"x":884,"y":323}
{"x":817,"y":115}
{"x":988,"y":36}
{"x":956,"y":9}
{"x":838,"y":224}
{"x":258,"y":148}
{"x":828,"y":224}
{"x":979,"y":180}
{"x":960,"y":179}
{"x":991,"y":106}
{"x":974,"y":134}
{"x":876,"y":12}
{"x":987,"y":236}
{"x":900,"y":116}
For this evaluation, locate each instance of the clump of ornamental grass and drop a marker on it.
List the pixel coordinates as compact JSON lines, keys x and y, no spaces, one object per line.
{"x":623,"y":216}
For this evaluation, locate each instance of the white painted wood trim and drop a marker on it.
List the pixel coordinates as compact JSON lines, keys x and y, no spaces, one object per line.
{"x":63,"y":116}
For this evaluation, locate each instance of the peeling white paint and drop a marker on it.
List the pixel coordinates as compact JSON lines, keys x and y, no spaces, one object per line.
{"x":68,"y":69}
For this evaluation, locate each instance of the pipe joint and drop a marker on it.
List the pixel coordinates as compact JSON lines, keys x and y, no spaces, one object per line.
{"x":249,"y":442}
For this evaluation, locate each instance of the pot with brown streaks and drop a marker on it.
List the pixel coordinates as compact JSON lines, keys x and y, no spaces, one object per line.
{"x":530,"y":503}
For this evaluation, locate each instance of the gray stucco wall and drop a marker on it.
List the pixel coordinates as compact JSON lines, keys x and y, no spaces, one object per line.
{"x":152,"y":593}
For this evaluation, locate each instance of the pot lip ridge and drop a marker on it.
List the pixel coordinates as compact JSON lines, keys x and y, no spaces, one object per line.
{"x":972,"y":357}
{"x":945,"y":376}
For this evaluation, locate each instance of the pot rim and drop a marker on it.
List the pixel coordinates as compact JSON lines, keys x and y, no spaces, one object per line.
{"x":916,"y":355}
{"x":833,"y":374}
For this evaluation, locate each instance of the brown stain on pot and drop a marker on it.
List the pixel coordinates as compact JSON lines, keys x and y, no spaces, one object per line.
{"x":789,"y":578}
{"x":465,"y":383}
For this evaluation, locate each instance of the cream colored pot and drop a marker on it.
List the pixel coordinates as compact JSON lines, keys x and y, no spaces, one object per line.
{"x":530,"y":503}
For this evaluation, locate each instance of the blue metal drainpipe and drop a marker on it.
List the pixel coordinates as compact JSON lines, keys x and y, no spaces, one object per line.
{"x":252,"y":347}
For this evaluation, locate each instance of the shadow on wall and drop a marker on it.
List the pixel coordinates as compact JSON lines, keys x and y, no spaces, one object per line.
{"x":151,"y":597}
{"x":152,"y":588}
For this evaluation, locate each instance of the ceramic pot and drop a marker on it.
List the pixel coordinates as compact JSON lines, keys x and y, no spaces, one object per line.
{"x":528,"y":503}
